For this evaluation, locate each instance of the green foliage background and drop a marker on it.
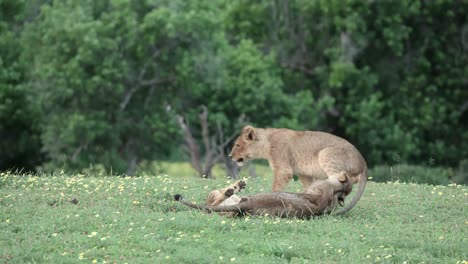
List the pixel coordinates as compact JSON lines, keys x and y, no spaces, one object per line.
{"x":99,"y":82}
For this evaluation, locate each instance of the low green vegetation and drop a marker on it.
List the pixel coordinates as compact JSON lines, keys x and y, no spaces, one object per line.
{"x":382,"y":173}
{"x":63,"y":218}
{"x":183,"y":169}
{"x":412,"y":174}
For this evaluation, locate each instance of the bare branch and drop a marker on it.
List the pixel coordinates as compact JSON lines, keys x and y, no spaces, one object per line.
{"x":78,"y":150}
{"x":203,"y":116}
{"x":127,"y":97}
{"x":212,"y":154}
{"x":192,"y":145}
{"x":148,"y":97}
{"x":230,"y":166}
{"x":154,"y":81}
{"x":214,"y":147}
{"x":219,"y":127}
{"x":138,"y":81}
{"x":299,"y":67}
{"x":212,"y":157}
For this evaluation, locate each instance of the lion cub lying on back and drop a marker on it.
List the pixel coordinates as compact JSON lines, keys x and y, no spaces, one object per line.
{"x":322,"y":197}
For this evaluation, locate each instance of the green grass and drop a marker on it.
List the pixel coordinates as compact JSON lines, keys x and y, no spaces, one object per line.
{"x":135,"y":220}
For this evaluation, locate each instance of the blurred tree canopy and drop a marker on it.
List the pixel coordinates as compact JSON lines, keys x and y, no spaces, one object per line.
{"x":100,"y":82}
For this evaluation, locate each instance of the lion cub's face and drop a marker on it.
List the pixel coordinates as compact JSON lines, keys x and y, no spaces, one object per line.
{"x":241,"y":151}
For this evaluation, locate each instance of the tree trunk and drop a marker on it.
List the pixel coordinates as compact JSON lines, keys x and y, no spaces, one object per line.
{"x":232,"y":169}
{"x":132,"y":164}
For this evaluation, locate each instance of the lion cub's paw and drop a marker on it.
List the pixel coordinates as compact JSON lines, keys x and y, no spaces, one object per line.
{"x":229,"y":192}
{"x":242,"y":185}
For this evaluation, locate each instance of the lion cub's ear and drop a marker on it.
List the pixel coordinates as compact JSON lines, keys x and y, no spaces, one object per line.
{"x":249,"y":133}
{"x":343,"y":178}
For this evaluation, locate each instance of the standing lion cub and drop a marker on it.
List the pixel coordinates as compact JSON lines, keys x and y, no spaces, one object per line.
{"x":311,"y":155}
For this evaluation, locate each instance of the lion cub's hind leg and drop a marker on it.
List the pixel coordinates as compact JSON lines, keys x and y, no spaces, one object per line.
{"x":336,"y":161}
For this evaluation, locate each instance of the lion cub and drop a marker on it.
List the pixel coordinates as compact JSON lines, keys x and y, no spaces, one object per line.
{"x":322,"y":197}
{"x":310,"y":155}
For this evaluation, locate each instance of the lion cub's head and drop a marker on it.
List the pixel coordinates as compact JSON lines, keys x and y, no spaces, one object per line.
{"x":242,"y":150}
{"x":345,"y":187}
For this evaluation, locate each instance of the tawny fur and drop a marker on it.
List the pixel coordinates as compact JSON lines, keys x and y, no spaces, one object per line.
{"x":310,"y":155}
{"x":321,"y":197}
{"x":226,"y":195}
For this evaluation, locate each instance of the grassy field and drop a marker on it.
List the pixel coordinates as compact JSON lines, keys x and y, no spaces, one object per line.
{"x":80,"y":219}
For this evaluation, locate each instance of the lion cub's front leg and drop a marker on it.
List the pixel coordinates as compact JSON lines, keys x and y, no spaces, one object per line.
{"x":216,"y":197}
{"x":283,"y":174}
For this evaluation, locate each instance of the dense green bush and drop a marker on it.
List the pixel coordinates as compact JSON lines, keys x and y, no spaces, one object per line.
{"x":99,"y":82}
{"x":20,"y":143}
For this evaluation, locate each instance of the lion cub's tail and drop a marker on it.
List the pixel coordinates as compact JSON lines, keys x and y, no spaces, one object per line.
{"x":223,"y":208}
{"x":181,"y":199}
{"x":357,"y":196}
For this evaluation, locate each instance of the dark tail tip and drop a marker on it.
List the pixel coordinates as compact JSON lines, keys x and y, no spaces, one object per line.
{"x":178,"y":197}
